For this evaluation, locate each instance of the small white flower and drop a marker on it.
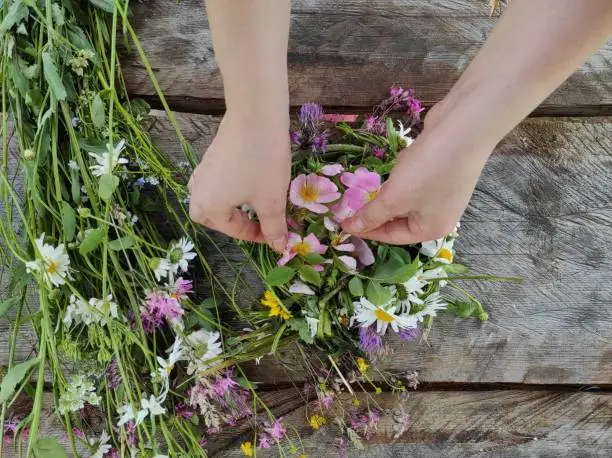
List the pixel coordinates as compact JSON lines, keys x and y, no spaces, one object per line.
{"x":367,"y":314}
{"x":126,"y":414}
{"x":103,"y":446}
{"x":106,"y":162}
{"x":105,"y":309}
{"x":75,"y":122}
{"x":202,"y":347}
{"x":440,"y":250}
{"x":433,"y":303}
{"x":153,"y":180}
{"x":161,"y":267}
{"x":52,"y":262}
{"x":79,"y":391}
{"x":77,"y":311}
{"x":180,"y":254}
{"x":313,"y":324}
{"x":152,"y":406}
{"x":134,"y":219}
{"x":403,"y":133}
{"x":174,"y":354}
{"x":299,"y":287}
{"x":73,"y":165}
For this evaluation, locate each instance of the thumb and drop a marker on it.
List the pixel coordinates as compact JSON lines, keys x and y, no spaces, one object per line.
{"x":373,"y":215}
{"x":273,"y":226}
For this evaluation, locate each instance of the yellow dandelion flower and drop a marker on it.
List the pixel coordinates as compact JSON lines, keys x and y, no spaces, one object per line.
{"x":247,"y":448}
{"x":276,"y":309}
{"x":316,"y":421}
{"x":362,"y":365}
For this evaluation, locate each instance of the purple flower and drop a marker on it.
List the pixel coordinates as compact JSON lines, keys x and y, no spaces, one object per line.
{"x":183,"y":411}
{"x":140,"y":182}
{"x":319,"y":144}
{"x":310,"y":114}
{"x":371,"y":123}
{"x":414,"y":107}
{"x":296,"y":138}
{"x":409,"y":334}
{"x":265,"y":441}
{"x":114,"y":453}
{"x":132,"y":438}
{"x":370,"y":342}
{"x":203,"y":442}
{"x":113,"y":377}
{"x":378,"y":152}
{"x":395,"y":91}
{"x":182,"y":288}
{"x":224,"y":383}
{"x":10,"y":428}
{"x":276,"y":430}
{"x":326,"y":401}
{"x":78,"y":432}
{"x":150,"y":321}
{"x":166,"y":307}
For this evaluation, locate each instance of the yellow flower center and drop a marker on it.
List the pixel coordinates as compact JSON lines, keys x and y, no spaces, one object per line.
{"x":447,"y":254}
{"x":383,"y":316}
{"x":372,"y":195}
{"x":316,"y":421}
{"x":301,"y":248}
{"x":52,"y":268}
{"x":309,"y":193}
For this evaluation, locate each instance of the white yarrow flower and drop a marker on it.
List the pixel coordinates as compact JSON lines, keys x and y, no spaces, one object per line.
{"x":52,"y":262}
{"x":367,"y":314}
{"x":103,"y":446}
{"x":106,"y":162}
{"x":403,"y":132}
{"x":79,"y":391}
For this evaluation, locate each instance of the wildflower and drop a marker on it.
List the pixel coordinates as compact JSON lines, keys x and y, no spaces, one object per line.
{"x":265,"y":441}
{"x":52,"y":262}
{"x":319,"y":144}
{"x":247,"y":448}
{"x":362,"y":251}
{"x":126,"y":414}
{"x":363,"y":187}
{"x":370,"y":341}
{"x":330,"y":224}
{"x":349,"y":262}
{"x":183,"y":411}
{"x":153,"y":180}
{"x":164,"y":306}
{"x":310,"y":114}
{"x":140,"y":182}
{"x":180,"y":254}
{"x":316,"y":421}
{"x":106,"y":162}
{"x":73,"y":165}
{"x":395,"y":91}
{"x":79,"y":391}
{"x":312,"y":191}
{"x":181,"y":288}
{"x":276,"y":430}
{"x":224,"y":383}
{"x":103,"y":447}
{"x":103,"y":309}
{"x":113,"y":377}
{"x":372,"y":124}
{"x":409,"y":334}
{"x":421,"y":278}
{"x":11,"y":425}
{"x":299,"y":287}
{"x":432,"y":304}
{"x":152,"y":406}
{"x":295,"y":137}
{"x":174,"y":355}
{"x":161,"y":267}
{"x":276,"y":309}
{"x":362,"y":365}
{"x":296,"y":245}
{"x":378,"y":152}
{"x":341,"y":210}
{"x":201,"y":346}
{"x":79,"y":62}
{"x":440,"y":250}
{"x":367,"y":314}
{"x":403,"y":134}
{"x":332,"y":170}
{"x":77,"y":311}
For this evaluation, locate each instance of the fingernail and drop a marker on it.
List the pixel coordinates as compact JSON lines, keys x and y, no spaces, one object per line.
{"x":356,"y":225}
{"x":279,"y":244}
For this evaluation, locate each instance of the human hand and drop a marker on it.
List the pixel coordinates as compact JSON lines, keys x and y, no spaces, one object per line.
{"x":248,"y":162}
{"x":429,"y":187}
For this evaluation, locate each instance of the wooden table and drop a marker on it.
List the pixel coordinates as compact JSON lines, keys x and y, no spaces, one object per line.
{"x":533,"y":381}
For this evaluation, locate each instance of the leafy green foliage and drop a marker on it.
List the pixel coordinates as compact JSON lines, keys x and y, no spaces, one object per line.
{"x":309,"y":275}
{"x":53,"y":78}
{"x":14,"y":377}
{"x":49,"y":447}
{"x":107,"y":186}
{"x":280,"y":276}
{"x":91,"y":241}
{"x":68,"y":222}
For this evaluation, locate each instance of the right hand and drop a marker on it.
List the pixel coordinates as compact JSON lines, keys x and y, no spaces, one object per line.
{"x":248,"y":162}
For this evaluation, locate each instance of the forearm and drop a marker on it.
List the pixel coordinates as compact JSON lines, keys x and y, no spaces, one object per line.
{"x":250,"y":40}
{"x":533,"y":49}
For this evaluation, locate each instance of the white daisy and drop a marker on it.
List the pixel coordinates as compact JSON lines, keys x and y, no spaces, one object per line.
{"x":367,"y":314}
{"x":53,"y":262}
{"x":103,"y":445}
{"x":440,"y":250}
{"x":106,"y":162}
{"x":403,"y":133}
{"x":161,"y":267}
{"x":202,"y":347}
{"x":433,"y":303}
{"x":180,"y":254}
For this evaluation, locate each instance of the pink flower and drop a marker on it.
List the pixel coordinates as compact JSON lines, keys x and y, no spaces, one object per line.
{"x":265,"y":441}
{"x":395,"y":91}
{"x":223,"y":384}
{"x":330,"y":225}
{"x":299,"y":287}
{"x":164,"y":306}
{"x":277,"y":430}
{"x":182,"y":288}
{"x":311,"y":191}
{"x":341,"y":210}
{"x":296,"y":245}
{"x":363,"y":186}
{"x":332,"y":170}
{"x":378,"y":152}
{"x":293,"y":224}
{"x":349,"y":262}
{"x":362,"y":251}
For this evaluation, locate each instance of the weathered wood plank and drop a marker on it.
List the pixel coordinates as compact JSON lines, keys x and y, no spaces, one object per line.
{"x":542,"y":211}
{"x":476,"y":424}
{"x":345,"y":54}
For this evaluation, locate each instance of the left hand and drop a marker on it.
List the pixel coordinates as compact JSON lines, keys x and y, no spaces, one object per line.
{"x":429,"y":187}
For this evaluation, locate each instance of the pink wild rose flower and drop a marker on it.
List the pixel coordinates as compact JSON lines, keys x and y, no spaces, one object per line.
{"x":298,"y":245}
{"x":312,"y":191}
{"x":363,"y":187}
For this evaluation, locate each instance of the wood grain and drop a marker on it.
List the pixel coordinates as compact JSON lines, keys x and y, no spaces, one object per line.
{"x":481,"y":424}
{"x":345,"y":54}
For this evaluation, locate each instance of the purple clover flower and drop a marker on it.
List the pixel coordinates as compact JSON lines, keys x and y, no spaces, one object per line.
{"x":370,"y":342}
{"x":310,"y":114}
{"x":319,"y":144}
{"x":276,"y":430}
{"x":113,"y":377}
{"x":409,"y":334}
{"x":183,"y":411}
{"x":378,"y":152}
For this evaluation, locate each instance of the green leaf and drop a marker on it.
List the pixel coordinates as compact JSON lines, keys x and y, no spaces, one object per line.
{"x":93,"y":145}
{"x":401,"y":274}
{"x":462,"y":309}
{"x":97,"y":110}
{"x":313,"y":258}
{"x":108,"y":185}
{"x":356,"y":287}
{"x":309,"y":275}
{"x":104,"y":5}
{"x":16,"y":12}
{"x":378,"y":294}
{"x":78,"y":38}
{"x":18,"y":78}
{"x":386,"y":270}
{"x":400,"y":254}
{"x":75,"y":186}
{"x":392,"y":136}
{"x":49,"y":447}
{"x":301,"y":326}
{"x":244,"y":383}
{"x":123,"y":243}
{"x":280,"y":276}
{"x":68,"y":221}
{"x":13,"y":377}
{"x":7,"y":305}
{"x":455,"y":268}
{"x":91,"y":241}
{"x":52,"y":77}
